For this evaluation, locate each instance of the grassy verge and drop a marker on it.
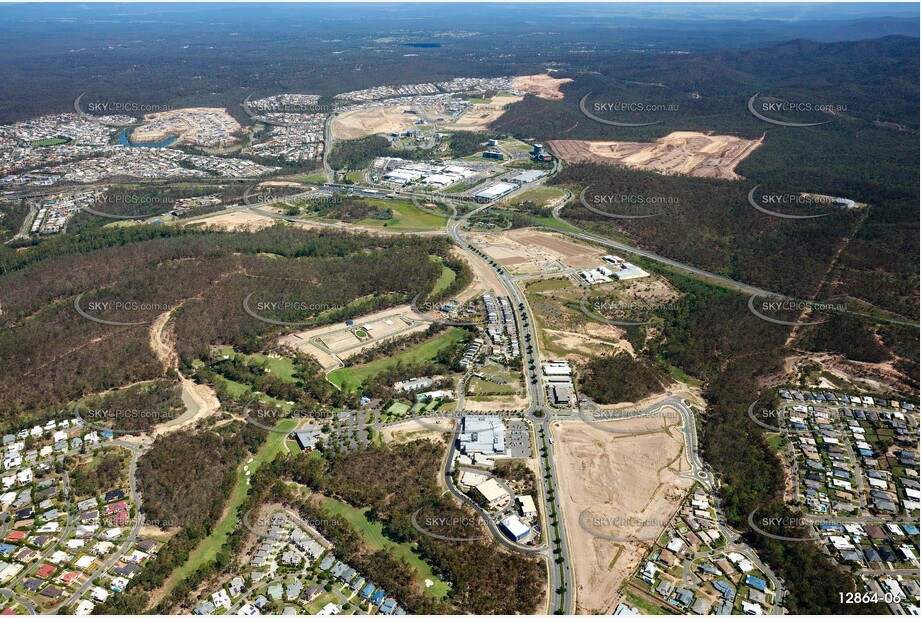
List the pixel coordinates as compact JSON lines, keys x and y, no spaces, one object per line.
{"x":554,"y":224}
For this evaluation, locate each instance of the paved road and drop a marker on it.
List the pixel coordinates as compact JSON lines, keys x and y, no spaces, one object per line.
{"x":556,"y":552}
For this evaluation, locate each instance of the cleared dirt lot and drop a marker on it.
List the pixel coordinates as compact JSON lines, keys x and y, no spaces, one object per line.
{"x":411,"y":430}
{"x":236,"y":221}
{"x":530,"y":251}
{"x":630,"y":482}
{"x":497,"y":402}
{"x":363,"y":122}
{"x":479,"y":116}
{"x":543,"y":85}
{"x":485,"y":278}
{"x":681,"y":152}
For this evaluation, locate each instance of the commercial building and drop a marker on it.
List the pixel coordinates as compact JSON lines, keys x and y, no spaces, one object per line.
{"x":493,"y":493}
{"x":514,"y":528}
{"x":528,"y":508}
{"x":307,"y":437}
{"x":528,"y":176}
{"x":495,"y":191}
{"x":482,"y":434}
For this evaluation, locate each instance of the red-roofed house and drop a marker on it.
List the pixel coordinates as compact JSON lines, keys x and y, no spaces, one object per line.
{"x":45,"y":571}
{"x":16,"y":535}
{"x":116,"y":507}
{"x":68,"y":577}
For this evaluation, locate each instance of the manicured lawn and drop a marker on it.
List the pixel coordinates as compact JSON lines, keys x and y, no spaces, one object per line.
{"x":373,"y":535}
{"x":775,"y":441}
{"x":236,"y":389}
{"x":209,"y":547}
{"x":550,"y":285}
{"x":351,"y":378}
{"x":398,"y":409}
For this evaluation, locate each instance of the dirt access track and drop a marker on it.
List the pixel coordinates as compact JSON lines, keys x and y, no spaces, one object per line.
{"x":621,"y":479}
{"x":682,"y":152}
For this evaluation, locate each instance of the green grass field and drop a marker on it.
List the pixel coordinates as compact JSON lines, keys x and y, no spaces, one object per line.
{"x":446,"y":278}
{"x":407,"y":217}
{"x":373,"y":535}
{"x":397,"y":409}
{"x":553,"y":223}
{"x":315,"y":178}
{"x":51,"y":141}
{"x":351,"y":378}
{"x":282,"y":367}
{"x":209,"y":547}
{"x":541,"y":196}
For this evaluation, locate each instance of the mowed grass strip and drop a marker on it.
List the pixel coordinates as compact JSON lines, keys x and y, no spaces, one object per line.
{"x":351,"y":378}
{"x":373,"y":535}
{"x":208,"y":549}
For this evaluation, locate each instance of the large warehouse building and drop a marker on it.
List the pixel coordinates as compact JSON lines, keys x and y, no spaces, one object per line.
{"x":495,"y":191}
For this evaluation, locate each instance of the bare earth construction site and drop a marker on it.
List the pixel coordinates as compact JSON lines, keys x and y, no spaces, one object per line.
{"x":680,"y":152}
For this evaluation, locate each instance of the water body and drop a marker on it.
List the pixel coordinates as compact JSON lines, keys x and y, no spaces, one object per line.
{"x":124,"y":141}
